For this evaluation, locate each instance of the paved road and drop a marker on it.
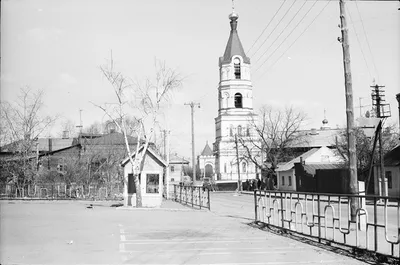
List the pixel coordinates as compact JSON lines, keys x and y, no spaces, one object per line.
{"x":68,"y":233}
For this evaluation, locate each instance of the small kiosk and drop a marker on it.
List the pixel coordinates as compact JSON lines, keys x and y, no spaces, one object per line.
{"x":151,"y":180}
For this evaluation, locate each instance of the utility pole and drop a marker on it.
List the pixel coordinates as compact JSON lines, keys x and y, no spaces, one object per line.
{"x":166,"y":157}
{"x":80,"y":122}
{"x":377,"y":101}
{"x":349,"y":112}
{"x":238,"y":164}
{"x":192,"y":105}
{"x":398,"y":102}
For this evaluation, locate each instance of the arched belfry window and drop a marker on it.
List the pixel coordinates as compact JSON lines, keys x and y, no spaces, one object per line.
{"x":236,"y":66}
{"x":238,"y":100}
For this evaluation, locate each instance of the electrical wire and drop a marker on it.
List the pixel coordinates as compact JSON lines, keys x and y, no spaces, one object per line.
{"x":366,"y":38}
{"x":276,"y":13}
{"x":359,"y":43}
{"x":301,"y":34}
{"x":290,"y":33}
{"x":275,"y":27}
{"x":283,"y":30}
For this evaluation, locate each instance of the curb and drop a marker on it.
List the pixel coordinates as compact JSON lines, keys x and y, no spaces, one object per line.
{"x":124,"y":208}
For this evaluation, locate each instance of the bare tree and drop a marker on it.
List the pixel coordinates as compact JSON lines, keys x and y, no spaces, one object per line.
{"x":364,"y":145}
{"x":276,"y":131}
{"x":145,"y":101}
{"x":22,"y":123}
{"x":67,"y":126}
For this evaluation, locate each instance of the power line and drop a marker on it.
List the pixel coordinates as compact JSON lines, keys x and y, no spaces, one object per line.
{"x":275,"y":27}
{"x":359,"y":43}
{"x":301,"y":34}
{"x":290,"y":33}
{"x":366,"y":38}
{"x":295,"y":15}
{"x":276,"y":13}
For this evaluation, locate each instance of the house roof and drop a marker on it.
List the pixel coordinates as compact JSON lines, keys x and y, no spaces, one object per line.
{"x":317,"y":138}
{"x":312,"y":167}
{"x":207,"y":151}
{"x":326,"y":136}
{"x":151,"y":152}
{"x":175,"y":159}
{"x":114,"y":138}
{"x":290,"y":164}
{"x":45,"y":144}
{"x":392,"y":158}
{"x":234,"y":46}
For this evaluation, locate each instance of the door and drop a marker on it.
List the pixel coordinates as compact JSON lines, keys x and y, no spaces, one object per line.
{"x":131,"y":184}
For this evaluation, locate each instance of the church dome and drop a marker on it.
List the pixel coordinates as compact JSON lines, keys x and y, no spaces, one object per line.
{"x":233,"y":15}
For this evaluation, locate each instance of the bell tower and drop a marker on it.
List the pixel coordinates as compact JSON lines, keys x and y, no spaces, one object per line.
{"x":235,"y":110}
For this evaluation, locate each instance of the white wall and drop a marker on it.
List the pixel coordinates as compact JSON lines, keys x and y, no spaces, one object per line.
{"x":285,"y":175}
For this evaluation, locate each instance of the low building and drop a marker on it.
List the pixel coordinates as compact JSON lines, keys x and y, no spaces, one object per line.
{"x":151,"y":179}
{"x":392,"y":173}
{"x":178,"y":168}
{"x":286,"y":174}
{"x":206,"y":163}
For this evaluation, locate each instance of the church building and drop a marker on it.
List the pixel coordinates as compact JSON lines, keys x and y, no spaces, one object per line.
{"x":235,"y":112}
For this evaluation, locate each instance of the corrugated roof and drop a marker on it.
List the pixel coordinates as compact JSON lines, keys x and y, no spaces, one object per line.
{"x":44,"y":144}
{"x":290,"y":164}
{"x":114,"y":138}
{"x":312,"y":167}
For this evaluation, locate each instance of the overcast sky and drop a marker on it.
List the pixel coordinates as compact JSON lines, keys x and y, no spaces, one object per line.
{"x":58,"y":46}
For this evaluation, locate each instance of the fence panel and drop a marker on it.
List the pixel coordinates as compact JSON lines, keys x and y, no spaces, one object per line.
{"x":327,"y":218}
{"x":194,"y":196}
{"x":62,"y":191}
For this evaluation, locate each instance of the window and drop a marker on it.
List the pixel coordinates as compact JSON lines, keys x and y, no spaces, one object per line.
{"x":152,"y":183}
{"x":283,"y":180}
{"x":239,"y":130}
{"x":388,"y":175}
{"x":236,"y":66}
{"x":290,"y":180}
{"x":244,"y":168}
{"x":231,"y":131}
{"x":225,"y":168}
{"x":238,"y":100}
{"x":61,"y":165}
{"x":172,"y":169}
{"x":248,"y":131}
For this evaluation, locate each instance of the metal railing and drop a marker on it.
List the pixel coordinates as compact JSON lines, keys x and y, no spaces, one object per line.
{"x":61,"y":192}
{"x":194,"y":196}
{"x":327,"y":218}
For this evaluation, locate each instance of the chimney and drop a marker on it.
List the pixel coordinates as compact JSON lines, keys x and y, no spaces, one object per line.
{"x":65,"y":135}
{"x":313,"y":131}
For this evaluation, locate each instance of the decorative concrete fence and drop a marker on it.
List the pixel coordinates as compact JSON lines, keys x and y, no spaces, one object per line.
{"x":193,"y":196}
{"x":327,"y":218}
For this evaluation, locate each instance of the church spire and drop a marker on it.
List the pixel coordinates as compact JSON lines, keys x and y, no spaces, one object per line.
{"x":234,"y":46}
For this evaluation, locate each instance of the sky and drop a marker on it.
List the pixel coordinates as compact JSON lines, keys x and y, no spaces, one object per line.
{"x":58,"y":46}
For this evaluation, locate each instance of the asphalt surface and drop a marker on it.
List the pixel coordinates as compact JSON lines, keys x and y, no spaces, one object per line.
{"x":69,"y":233}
